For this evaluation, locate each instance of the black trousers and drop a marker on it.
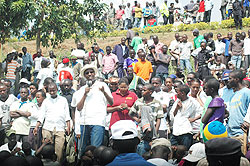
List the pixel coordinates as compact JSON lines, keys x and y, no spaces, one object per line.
{"x":238,"y":21}
{"x":207,"y":16}
{"x":165,"y":20}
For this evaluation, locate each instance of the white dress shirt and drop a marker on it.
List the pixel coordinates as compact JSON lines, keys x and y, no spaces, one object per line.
{"x":95,"y":106}
{"x":181,"y":123}
{"x":54,"y":113}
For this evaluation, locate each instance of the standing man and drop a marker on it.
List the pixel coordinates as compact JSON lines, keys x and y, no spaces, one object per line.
{"x":201,"y":11}
{"x":6,"y":100}
{"x":37,"y":63}
{"x":143,"y":68}
{"x":236,"y":50}
{"x":158,"y":45}
{"x":173,"y":48}
{"x":91,"y":100}
{"x":111,"y":14}
{"x":220,"y":48}
{"x":247,"y":50}
{"x":162,"y":61}
{"x":227,"y":40}
{"x":20,"y":111}
{"x":238,"y":105}
{"x":155,"y":11}
{"x":128,"y":16}
{"x":27,"y":64}
{"x":237,"y":12}
{"x":80,"y":52}
{"x":185,"y":49}
{"x":223,"y":9}
{"x":164,"y":12}
{"x":122,"y":52}
{"x":147,"y":11}
{"x":208,"y":9}
{"x":54,"y":115}
{"x":109,"y":63}
{"x":119,"y":20}
{"x":246,"y":9}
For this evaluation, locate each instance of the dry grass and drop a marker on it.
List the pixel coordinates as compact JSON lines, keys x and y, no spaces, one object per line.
{"x":65,"y":47}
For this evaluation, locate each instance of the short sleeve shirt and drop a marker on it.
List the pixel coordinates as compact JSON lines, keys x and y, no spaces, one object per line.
{"x":143,"y":69}
{"x":185,"y":50}
{"x":11,"y":68}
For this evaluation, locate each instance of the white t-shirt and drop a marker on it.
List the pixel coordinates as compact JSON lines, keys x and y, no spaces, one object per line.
{"x":247,"y":46}
{"x":163,"y":98}
{"x":95,"y":107}
{"x":173,"y":46}
{"x":215,"y":67}
{"x":43,"y":74}
{"x":189,"y":109}
{"x":5,"y":110}
{"x":22,"y":124}
{"x":79,"y":54}
{"x":6,"y":148}
{"x":37,"y":63}
{"x":185,"y":50}
{"x":219,"y":47}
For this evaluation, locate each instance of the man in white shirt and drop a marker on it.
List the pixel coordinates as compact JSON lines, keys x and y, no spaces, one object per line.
{"x":44,"y":73}
{"x":6,"y":100}
{"x":128,"y":16}
{"x":37,"y":63}
{"x":172,"y":48}
{"x":80,"y":53}
{"x":55,"y":118}
{"x":91,"y":100}
{"x":20,"y":111}
{"x":185,"y":50}
{"x":208,"y":9}
{"x":183,"y":114}
{"x":220,"y":48}
{"x":247,"y":50}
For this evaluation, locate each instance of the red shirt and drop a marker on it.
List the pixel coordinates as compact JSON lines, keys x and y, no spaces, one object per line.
{"x":129,"y":98}
{"x":151,"y":21}
{"x":202,"y":7}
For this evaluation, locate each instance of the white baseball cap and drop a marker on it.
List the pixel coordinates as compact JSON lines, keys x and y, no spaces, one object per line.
{"x":196,"y":152}
{"x":123,"y":130}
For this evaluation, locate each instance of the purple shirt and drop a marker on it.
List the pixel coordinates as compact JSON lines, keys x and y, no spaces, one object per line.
{"x":219,"y":112}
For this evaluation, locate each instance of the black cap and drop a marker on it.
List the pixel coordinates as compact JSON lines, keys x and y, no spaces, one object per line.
{"x":222,"y":147}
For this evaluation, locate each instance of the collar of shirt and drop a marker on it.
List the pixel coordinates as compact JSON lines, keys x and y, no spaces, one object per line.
{"x":118,"y":93}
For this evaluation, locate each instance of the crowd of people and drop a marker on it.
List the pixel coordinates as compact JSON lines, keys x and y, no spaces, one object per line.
{"x":134,"y":15}
{"x":123,"y":106}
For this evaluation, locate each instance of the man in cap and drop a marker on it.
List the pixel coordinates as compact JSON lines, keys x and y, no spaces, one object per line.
{"x":125,"y":140}
{"x":65,"y":72}
{"x":91,"y":101}
{"x":12,"y":146}
{"x":226,"y":92}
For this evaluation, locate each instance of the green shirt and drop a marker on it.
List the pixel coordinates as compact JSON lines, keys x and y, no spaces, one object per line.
{"x":197,"y":41}
{"x":135,"y":42}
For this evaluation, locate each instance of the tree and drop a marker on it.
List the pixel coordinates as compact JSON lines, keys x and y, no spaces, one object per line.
{"x":55,"y":20}
{"x":14,"y":16}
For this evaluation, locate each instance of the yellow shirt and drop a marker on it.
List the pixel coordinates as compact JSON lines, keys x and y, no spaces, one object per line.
{"x":138,"y":12}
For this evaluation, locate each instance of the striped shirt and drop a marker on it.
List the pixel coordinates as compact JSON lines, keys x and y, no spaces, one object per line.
{"x":11,"y":68}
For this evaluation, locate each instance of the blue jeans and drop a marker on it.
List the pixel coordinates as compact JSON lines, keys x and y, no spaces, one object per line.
{"x":137,"y":22}
{"x":106,"y":76}
{"x":163,"y":76}
{"x":236,"y":60}
{"x":143,"y":147}
{"x":185,"y":63}
{"x":90,"y":135}
{"x":185,"y":139}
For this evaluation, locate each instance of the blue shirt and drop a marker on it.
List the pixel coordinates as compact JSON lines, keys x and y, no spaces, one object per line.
{"x":237,"y":111}
{"x":246,"y":3}
{"x":226,"y":41}
{"x":129,"y":159}
{"x":27,"y":61}
{"x":227,"y":95}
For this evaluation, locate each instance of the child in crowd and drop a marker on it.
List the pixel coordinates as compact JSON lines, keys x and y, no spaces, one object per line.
{"x":183,"y":115}
{"x":130,"y":61}
{"x":216,"y":109}
{"x":109,"y":63}
{"x":148,"y":113}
